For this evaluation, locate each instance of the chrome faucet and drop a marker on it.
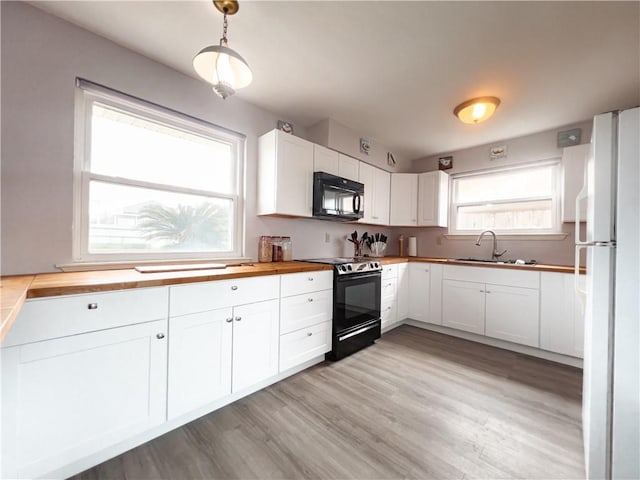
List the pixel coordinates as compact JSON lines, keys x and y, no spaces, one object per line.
{"x":495,"y":255}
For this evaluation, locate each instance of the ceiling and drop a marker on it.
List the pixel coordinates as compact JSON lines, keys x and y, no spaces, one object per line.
{"x":395,"y":70}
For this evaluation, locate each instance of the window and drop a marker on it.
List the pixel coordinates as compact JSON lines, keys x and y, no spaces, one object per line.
{"x":516,"y":200}
{"x":153,"y":184}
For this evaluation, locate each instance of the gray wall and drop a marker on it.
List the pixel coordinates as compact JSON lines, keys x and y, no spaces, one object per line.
{"x":41,"y":57}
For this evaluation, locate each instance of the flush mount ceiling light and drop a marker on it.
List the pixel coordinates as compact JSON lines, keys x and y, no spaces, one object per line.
{"x":476,"y":110}
{"x":219,"y":65}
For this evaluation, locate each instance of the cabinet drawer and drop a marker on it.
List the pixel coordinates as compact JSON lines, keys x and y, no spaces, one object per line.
{"x":389,"y":288}
{"x":389,"y":271}
{"x":301,"y":311}
{"x":496,"y":276}
{"x":54,"y":317}
{"x":304,"y":344}
{"x":200,"y":297}
{"x":388,"y":313}
{"x":305,"y":282}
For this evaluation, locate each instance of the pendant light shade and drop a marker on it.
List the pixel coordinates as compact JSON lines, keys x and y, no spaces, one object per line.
{"x":476,"y":110}
{"x":224,"y":68}
{"x":219,"y":65}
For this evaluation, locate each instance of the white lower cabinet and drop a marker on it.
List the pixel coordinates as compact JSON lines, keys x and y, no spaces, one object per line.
{"x":561,"y":314}
{"x":498,"y":303}
{"x":402,"y":311}
{"x":306,"y":314}
{"x":199,"y":359}
{"x":463,"y":305}
{"x":256,"y":335}
{"x":512,"y":314}
{"x":67,"y":398}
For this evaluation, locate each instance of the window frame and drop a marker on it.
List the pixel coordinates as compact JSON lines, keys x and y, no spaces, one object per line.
{"x":556,"y":199}
{"x":87,"y":94}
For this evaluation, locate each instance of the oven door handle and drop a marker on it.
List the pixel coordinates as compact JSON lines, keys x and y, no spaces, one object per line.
{"x":359,"y":276}
{"x":357,"y":332}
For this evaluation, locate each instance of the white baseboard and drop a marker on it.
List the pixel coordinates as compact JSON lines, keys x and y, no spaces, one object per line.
{"x":494,"y":342}
{"x":121,"y":447}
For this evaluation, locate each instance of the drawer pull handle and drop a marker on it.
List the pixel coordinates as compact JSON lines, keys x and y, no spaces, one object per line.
{"x":488,"y":291}
{"x":388,"y":308}
{"x":309,"y":334}
{"x":234,"y":287}
{"x":481,"y":291}
{"x":160,"y":336}
{"x":92,"y":306}
{"x":388,"y":284}
{"x":229,"y":320}
{"x":309,"y":299}
{"x":426,"y":270}
{"x":238,"y":319}
{"x":310,"y":279}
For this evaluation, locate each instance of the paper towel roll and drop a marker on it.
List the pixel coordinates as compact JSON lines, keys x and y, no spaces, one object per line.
{"x":412,"y":249}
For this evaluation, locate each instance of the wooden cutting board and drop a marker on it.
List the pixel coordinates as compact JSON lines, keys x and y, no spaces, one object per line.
{"x":178,"y":268}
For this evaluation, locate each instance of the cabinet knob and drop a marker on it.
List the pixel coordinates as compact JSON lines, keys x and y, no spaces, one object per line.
{"x":309,"y":299}
{"x":481,"y":291}
{"x":488,"y":291}
{"x":310,"y":279}
{"x":426,"y":270}
{"x":160,"y":336}
{"x":238,"y":319}
{"x":229,"y":320}
{"x":234,"y":287}
{"x":92,"y":306}
{"x":309,"y":334}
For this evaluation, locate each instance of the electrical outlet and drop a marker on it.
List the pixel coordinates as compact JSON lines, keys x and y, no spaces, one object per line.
{"x":327,"y":237}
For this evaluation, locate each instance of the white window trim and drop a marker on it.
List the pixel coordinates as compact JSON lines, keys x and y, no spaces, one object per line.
{"x":86,"y":94}
{"x":553,"y":233}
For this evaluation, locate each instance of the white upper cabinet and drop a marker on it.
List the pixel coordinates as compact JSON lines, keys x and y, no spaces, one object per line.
{"x":404,"y":199}
{"x":573,"y":162}
{"x":433,"y":199}
{"x":326,"y":160}
{"x":285,"y":175}
{"x":376,"y":194}
{"x":348,"y":167}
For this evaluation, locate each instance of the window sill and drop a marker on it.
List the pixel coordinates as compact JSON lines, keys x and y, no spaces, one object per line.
{"x":120,"y":265}
{"x":513,"y":236}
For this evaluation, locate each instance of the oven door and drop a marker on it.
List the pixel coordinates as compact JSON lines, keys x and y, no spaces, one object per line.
{"x":356,"y":300}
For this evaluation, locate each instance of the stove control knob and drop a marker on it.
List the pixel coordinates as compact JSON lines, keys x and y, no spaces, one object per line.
{"x":349,"y":267}
{"x":377,"y":265}
{"x":342,"y":268}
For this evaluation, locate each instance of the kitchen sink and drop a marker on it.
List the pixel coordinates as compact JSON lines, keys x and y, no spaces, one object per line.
{"x":501,"y":262}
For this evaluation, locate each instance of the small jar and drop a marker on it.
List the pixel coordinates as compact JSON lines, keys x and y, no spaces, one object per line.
{"x":265,"y":249}
{"x":276,"y":247}
{"x":287,"y":249}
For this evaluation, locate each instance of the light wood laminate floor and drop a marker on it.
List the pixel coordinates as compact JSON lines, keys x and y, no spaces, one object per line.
{"x":417,"y":404}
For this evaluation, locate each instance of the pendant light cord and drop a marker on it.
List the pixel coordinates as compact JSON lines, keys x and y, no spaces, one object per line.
{"x":223,"y":40}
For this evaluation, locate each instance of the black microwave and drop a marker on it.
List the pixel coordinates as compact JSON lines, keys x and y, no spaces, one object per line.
{"x":337,"y":198}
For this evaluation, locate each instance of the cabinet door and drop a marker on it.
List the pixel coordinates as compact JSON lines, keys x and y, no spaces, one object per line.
{"x":199,"y":360}
{"x":512,"y":314}
{"x":419,"y":280}
{"x":433,"y":199}
{"x":561,"y":315}
{"x":435,"y":294}
{"x":381,"y":198}
{"x":294,"y":176}
{"x":404,"y":199}
{"x":403,"y":291}
{"x":463,"y":305}
{"x":64,"y":399}
{"x":255,"y":343}
{"x":349,"y":167}
{"x":325,"y":160}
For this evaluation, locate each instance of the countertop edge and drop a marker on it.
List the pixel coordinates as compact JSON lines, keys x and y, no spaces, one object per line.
{"x":13,"y":294}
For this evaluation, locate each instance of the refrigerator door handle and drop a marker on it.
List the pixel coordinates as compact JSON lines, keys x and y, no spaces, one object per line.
{"x":582,"y":294}
{"x":582,"y":195}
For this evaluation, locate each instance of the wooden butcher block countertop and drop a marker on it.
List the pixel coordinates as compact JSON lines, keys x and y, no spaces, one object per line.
{"x":15,"y":289}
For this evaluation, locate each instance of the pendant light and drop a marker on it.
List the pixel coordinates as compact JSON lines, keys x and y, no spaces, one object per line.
{"x":219,"y":65}
{"x":476,"y":110}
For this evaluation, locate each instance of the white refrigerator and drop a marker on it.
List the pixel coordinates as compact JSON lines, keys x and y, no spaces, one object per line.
{"x":611,"y":388}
